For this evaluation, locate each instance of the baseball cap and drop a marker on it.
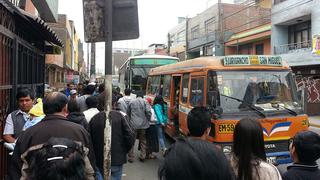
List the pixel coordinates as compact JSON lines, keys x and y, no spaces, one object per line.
{"x":73,"y":91}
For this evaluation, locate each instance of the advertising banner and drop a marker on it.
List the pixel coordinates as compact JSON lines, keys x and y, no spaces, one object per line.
{"x":316,"y":45}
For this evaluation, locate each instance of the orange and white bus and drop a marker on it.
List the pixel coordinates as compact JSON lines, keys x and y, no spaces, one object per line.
{"x":233,"y":87}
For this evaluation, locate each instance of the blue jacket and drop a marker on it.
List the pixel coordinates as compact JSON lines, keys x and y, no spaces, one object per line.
{"x":162,"y":116}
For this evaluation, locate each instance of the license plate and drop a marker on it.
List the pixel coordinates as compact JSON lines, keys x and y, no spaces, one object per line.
{"x":272,"y":160}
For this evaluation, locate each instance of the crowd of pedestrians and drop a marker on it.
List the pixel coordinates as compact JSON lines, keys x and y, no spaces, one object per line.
{"x":62,"y":137}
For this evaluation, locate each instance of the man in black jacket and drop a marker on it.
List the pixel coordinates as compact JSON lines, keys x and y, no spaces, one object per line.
{"x":305,"y":151}
{"x":122,"y":138}
{"x":55,"y":124}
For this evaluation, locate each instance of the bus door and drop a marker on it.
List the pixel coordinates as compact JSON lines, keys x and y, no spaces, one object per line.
{"x":174,"y":101}
{"x":193,"y":95}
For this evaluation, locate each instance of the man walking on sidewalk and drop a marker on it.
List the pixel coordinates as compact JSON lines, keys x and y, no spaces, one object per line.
{"x":139,"y":113}
{"x":122,"y":138}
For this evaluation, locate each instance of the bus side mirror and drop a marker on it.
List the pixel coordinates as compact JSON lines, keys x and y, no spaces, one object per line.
{"x":126,"y":75}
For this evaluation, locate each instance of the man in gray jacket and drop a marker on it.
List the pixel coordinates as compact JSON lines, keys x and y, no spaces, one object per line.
{"x":139,"y":113}
{"x":123,"y":102}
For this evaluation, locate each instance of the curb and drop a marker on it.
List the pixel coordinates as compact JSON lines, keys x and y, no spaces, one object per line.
{"x":314,"y":125}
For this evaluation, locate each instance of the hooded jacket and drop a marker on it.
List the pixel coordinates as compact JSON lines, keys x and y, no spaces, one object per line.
{"x":124,"y":102}
{"x":79,"y":118}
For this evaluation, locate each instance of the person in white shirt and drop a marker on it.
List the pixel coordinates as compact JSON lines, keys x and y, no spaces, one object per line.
{"x":16,"y":120}
{"x":92,"y":104}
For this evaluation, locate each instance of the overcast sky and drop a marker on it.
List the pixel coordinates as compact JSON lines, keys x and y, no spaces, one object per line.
{"x":156,"y":18}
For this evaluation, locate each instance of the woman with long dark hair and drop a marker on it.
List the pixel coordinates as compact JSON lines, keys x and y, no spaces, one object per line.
{"x":160,"y":109}
{"x":57,"y":159}
{"x":249,"y":158}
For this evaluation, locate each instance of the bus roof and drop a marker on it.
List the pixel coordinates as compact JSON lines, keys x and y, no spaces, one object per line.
{"x":214,"y":63}
{"x":155,"y":56}
{"x":152,"y":56}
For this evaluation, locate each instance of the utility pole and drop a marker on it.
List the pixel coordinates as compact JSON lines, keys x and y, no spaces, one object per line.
{"x":169,"y":44}
{"x":107,"y":21}
{"x":93,"y":60}
{"x":108,"y":87}
{"x":220,"y":24}
{"x":187,"y":39}
{"x":88,"y":59}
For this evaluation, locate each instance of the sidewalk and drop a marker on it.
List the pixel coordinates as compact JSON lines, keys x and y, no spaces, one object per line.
{"x":314,"y":121}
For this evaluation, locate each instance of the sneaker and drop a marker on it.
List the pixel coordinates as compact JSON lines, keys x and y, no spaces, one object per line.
{"x":151,"y":156}
{"x":163,"y":151}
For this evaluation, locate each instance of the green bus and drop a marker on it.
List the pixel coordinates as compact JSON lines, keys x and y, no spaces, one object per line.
{"x":134,"y":72}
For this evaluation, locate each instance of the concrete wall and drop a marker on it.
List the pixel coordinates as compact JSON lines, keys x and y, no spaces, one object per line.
{"x":235,"y":18}
{"x":56,"y":59}
{"x":290,"y":9}
{"x":180,"y":28}
{"x":48,"y":9}
{"x":199,"y":21}
{"x":232,"y":50}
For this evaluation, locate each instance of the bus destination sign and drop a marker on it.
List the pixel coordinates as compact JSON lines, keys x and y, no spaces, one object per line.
{"x":252,"y":60}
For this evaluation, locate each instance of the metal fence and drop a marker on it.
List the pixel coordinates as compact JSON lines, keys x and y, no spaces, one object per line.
{"x":22,"y":64}
{"x":293,"y":47}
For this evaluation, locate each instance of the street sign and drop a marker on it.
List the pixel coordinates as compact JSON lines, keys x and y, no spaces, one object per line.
{"x":125,"y":23}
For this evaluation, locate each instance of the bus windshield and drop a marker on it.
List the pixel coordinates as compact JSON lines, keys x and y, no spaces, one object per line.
{"x":139,"y":78}
{"x":265,"y":91}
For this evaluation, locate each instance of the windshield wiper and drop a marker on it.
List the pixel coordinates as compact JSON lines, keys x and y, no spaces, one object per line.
{"x":289,"y":110}
{"x":249,"y":105}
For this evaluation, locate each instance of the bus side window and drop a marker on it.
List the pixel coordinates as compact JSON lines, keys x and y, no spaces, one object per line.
{"x":148,"y":90}
{"x":212,"y":90}
{"x":166,"y":86}
{"x":185,"y":88}
{"x":155,"y":84}
{"x":196,"y":91}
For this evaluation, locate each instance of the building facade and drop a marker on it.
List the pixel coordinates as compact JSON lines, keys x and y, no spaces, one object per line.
{"x":256,"y":41}
{"x":295,"y":29}
{"x":177,"y":40}
{"x":208,"y":31}
{"x":63,"y":64}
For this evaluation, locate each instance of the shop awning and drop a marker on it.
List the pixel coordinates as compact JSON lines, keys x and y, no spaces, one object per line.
{"x":35,"y":22}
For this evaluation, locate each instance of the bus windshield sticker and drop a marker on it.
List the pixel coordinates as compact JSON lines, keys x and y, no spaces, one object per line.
{"x":185,"y":92}
{"x":252,"y":60}
{"x":220,"y":81}
{"x":226,"y":128}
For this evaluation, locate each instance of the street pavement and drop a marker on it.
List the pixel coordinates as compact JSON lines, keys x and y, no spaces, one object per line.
{"x":148,"y":169}
{"x":138,"y":170}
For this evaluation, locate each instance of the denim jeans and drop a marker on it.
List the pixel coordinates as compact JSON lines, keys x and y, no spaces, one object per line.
{"x":99,"y":175}
{"x":161,"y":137}
{"x":116,"y":172}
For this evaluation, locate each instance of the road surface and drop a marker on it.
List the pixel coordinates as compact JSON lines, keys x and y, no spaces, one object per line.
{"x":148,"y":170}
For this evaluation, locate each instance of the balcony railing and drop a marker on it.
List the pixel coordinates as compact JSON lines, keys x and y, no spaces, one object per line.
{"x":293,"y":47}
